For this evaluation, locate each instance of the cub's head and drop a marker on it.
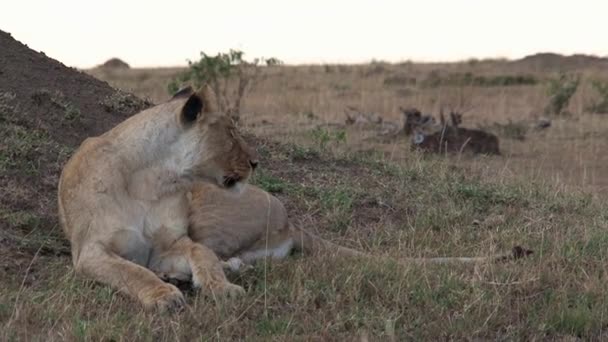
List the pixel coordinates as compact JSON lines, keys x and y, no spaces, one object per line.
{"x":215,"y":150}
{"x":411,"y":114}
{"x":416,"y":121}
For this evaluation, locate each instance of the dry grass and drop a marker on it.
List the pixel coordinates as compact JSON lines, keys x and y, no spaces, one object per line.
{"x":545,"y":193}
{"x":426,"y":208}
{"x":289,"y":101}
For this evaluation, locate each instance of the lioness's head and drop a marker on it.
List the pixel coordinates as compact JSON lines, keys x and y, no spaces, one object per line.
{"x":211,"y":140}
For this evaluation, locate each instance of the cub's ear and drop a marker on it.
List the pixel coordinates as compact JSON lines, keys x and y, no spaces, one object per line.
{"x":191,"y":109}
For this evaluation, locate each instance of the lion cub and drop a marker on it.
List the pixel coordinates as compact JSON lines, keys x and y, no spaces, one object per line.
{"x":123,"y":204}
{"x":242,"y":229}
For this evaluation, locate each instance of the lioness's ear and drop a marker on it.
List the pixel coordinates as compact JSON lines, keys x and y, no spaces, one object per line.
{"x":191,"y":109}
{"x":208,"y":97}
{"x":183,"y":92}
{"x":200,"y":102}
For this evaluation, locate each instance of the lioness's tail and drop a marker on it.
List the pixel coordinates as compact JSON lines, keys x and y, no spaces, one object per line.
{"x":311,"y":244}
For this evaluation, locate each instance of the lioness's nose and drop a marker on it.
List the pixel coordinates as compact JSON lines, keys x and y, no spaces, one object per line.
{"x":253,"y":163}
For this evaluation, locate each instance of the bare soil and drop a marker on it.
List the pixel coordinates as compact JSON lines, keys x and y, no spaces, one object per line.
{"x":46,"y":111}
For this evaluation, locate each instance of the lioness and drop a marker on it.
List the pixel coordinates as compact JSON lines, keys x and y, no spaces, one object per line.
{"x":254,"y":225}
{"x":122,"y":197}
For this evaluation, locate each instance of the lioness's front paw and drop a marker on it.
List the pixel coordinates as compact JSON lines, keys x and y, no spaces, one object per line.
{"x":227,"y":290}
{"x":164,"y":298}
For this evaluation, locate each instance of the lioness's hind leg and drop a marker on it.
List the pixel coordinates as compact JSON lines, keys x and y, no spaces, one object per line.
{"x":138,"y":282}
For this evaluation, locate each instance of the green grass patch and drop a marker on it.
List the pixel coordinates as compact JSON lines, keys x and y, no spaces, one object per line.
{"x":269,"y":183}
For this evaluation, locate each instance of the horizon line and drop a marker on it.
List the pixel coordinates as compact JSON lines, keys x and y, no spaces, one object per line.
{"x":369,"y":61}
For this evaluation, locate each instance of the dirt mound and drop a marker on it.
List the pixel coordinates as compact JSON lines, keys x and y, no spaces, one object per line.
{"x":46,"y":110}
{"x":115,"y":63}
{"x":555,"y":62}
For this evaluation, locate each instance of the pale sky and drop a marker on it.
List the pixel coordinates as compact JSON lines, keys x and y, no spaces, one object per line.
{"x":84,"y":33}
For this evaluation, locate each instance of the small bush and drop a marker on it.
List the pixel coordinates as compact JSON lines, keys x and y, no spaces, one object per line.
{"x":397,"y":80}
{"x":58,"y":100}
{"x":122,"y":102}
{"x":322,"y":137}
{"x":505,"y":80}
{"x":299,"y":153}
{"x":229,"y":74}
{"x":435,"y":79}
{"x":375,"y":68}
{"x":601,"y":105}
{"x":561,"y":90}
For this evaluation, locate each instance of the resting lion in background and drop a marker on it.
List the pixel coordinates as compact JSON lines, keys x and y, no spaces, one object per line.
{"x":246,"y":227}
{"x":123,"y":204}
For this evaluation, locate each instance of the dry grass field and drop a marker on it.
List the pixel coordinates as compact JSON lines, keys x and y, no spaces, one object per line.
{"x":290,"y":102}
{"x":348,"y":184}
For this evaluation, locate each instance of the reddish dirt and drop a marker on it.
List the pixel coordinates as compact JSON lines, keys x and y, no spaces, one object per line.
{"x":46,"y":110}
{"x":36,"y":79}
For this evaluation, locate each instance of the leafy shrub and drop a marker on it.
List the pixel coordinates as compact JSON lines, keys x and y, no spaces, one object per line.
{"x":435,"y":79}
{"x":561,"y":90}
{"x":399,"y":79}
{"x":229,"y":75}
{"x":504,"y":80}
{"x":601,"y":105}
{"x":322,"y":137}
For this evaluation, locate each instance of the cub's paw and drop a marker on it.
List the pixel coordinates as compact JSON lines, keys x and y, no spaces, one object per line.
{"x":227,"y":290}
{"x":236,"y":265}
{"x":164,"y":298}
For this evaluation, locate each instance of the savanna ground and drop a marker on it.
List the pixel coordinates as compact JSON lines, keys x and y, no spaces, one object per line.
{"x":347,"y":184}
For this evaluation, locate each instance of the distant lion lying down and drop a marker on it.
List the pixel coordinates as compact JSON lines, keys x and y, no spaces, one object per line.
{"x":243,"y":228}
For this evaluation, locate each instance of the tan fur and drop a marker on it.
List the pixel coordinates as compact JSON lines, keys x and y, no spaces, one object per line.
{"x":252,"y":226}
{"x":123,"y":205}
